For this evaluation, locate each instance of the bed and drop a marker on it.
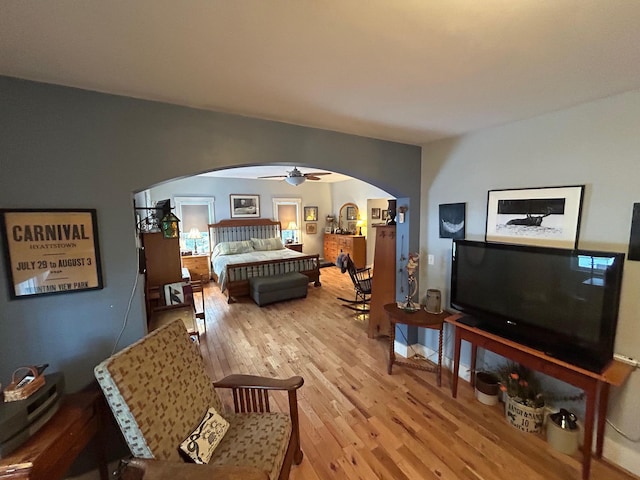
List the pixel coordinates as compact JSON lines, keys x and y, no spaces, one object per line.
{"x":242,"y":249}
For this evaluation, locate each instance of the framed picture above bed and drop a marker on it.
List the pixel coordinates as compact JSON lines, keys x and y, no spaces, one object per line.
{"x":244,"y":206}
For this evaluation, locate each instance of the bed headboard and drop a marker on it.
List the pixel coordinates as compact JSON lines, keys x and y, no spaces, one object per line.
{"x":245,"y":229}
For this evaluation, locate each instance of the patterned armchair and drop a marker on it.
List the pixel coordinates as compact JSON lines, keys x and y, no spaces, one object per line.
{"x":159,"y":391}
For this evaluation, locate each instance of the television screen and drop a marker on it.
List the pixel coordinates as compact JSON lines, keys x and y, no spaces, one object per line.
{"x":563,"y":302}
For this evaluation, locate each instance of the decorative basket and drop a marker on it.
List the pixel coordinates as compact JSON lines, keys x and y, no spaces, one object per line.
{"x":14,"y":391}
{"x":525,"y":418}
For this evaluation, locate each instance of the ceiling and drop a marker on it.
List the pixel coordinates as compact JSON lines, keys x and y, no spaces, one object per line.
{"x":404,"y":70}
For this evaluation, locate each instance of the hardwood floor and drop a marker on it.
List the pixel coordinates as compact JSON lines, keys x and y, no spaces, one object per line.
{"x":357,"y":422}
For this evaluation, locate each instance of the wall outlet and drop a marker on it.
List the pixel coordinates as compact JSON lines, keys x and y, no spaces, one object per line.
{"x":431,"y":259}
{"x":628,"y":360}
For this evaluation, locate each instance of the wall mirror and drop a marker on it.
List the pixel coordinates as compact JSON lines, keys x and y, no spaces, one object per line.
{"x":349,"y":214}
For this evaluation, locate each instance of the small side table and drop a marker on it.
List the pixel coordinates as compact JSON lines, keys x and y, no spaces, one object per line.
{"x":49,"y":453}
{"x":294,"y":246}
{"x":420,"y":318}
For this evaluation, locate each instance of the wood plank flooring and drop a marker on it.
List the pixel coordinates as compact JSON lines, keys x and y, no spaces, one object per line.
{"x":357,"y":422}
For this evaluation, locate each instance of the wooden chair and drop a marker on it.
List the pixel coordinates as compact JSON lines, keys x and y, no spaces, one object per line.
{"x":197,"y":286}
{"x":186,"y":310}
{"x":158,"y":390}
{"x":361,"y":279}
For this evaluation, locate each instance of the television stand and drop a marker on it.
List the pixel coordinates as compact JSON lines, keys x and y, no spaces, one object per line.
{"x":595,"y":385}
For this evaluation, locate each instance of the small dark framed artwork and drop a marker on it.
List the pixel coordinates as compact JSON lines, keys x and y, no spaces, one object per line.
{"x":375,"y":214}
{"x":452,"y":219}
{"x":312,"y":228}
{"x":310,"y":214}
{"x":634,"y":240}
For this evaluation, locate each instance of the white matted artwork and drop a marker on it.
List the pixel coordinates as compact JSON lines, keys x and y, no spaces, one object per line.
{"x":174,"y":293}
{"x":547,"y":217}
{"x":245,"y":206}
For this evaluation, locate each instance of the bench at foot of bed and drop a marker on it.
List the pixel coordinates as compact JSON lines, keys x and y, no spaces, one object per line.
{"x":266,"y":290}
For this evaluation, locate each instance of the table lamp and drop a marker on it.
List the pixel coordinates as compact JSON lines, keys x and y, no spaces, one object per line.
{"x":195,"y":235}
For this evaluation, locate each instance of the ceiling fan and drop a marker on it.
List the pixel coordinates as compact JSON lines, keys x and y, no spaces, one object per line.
{"x":296,"y":177}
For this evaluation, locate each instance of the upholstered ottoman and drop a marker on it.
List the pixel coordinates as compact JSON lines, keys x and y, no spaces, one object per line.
{"x":265,"y":290}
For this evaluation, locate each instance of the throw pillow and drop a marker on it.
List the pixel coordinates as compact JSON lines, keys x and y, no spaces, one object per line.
{"x":267,"y":243}
{"x":234,"y":248}
{"x":201,"y":443}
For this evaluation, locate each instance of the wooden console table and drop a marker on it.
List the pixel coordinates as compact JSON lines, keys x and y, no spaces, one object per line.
{"x":48,"y":455}
{"x":420,"y":318}
{"x":595,"y":385}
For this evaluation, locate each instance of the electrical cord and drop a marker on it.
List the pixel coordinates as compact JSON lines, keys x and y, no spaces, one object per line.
{"x":126,"y":313}
{"x":620,"y":432}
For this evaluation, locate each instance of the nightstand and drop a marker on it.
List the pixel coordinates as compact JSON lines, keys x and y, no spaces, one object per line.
{"x":294,"y":246}
{"x":198,"y":266}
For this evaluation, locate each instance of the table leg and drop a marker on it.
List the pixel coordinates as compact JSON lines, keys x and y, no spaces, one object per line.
{"x":589,"y":415}
{"x":474,"y":355}
{"x":440,"y":359}
{"x":101,"y":442}
{"x":456,"y":365}
{"x":603,"y":403}
{"x":392,"y":341}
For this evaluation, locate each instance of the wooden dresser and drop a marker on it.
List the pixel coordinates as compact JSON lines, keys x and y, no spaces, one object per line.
{"x":162,"y":260}
{"x":354,"y":245}
{"x":198,"y":266}
{"x":383,"y":288}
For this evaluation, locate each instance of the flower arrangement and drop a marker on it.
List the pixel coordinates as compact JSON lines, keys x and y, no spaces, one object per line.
{"x":520,"y":384}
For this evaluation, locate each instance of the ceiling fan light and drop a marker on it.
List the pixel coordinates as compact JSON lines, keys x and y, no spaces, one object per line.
{"x":295,"y":181}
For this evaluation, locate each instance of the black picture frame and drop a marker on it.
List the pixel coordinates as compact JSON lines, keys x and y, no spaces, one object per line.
{"x":544,"y":216}
{"x":51,"y":251}
{"x":310,"y":214}
{"x":244,"y":206}
{"x":452,"y":220}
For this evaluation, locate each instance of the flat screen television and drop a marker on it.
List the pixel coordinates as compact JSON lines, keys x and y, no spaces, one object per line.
{"x":562,"y":302}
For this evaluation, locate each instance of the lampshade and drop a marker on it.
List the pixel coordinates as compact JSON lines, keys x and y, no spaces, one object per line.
{"x":295,"y":181}
{"x":194,"y":233}
{"x":360,"y":223}
{"x":292,"y":226}
{"x":169,"y":226}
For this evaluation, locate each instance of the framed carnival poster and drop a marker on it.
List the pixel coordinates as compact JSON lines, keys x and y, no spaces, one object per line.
{"x":51,"y":251}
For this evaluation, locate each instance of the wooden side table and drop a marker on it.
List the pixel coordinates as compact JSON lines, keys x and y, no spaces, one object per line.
{"x":294,"y":246}
{"x":198,"y":266}
{"x":595,"y":385}
{"x":420,"y":318}
{"x":49,"y":453}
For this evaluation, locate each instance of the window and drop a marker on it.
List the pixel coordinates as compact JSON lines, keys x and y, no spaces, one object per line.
{"x":288,"y":212}
{"x":195,"y":214}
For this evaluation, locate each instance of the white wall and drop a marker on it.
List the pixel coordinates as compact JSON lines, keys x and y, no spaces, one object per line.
{"x":595,"y":144}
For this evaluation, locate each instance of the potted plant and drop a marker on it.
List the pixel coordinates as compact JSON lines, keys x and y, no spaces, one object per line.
{"x":524,"y":404}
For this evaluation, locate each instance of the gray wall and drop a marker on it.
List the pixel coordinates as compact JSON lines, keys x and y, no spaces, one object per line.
{"x":69,"y":148}
{"x":595,"y":144}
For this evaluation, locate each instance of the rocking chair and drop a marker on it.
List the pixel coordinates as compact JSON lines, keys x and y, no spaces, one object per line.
{"x":361,"y":279}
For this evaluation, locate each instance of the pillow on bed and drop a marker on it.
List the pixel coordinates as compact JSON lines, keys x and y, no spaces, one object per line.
{"x":267,"y":243}
{"x":233,"y":248}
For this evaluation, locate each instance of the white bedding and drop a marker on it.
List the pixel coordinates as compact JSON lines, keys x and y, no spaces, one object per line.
{"x":219,"y":262}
